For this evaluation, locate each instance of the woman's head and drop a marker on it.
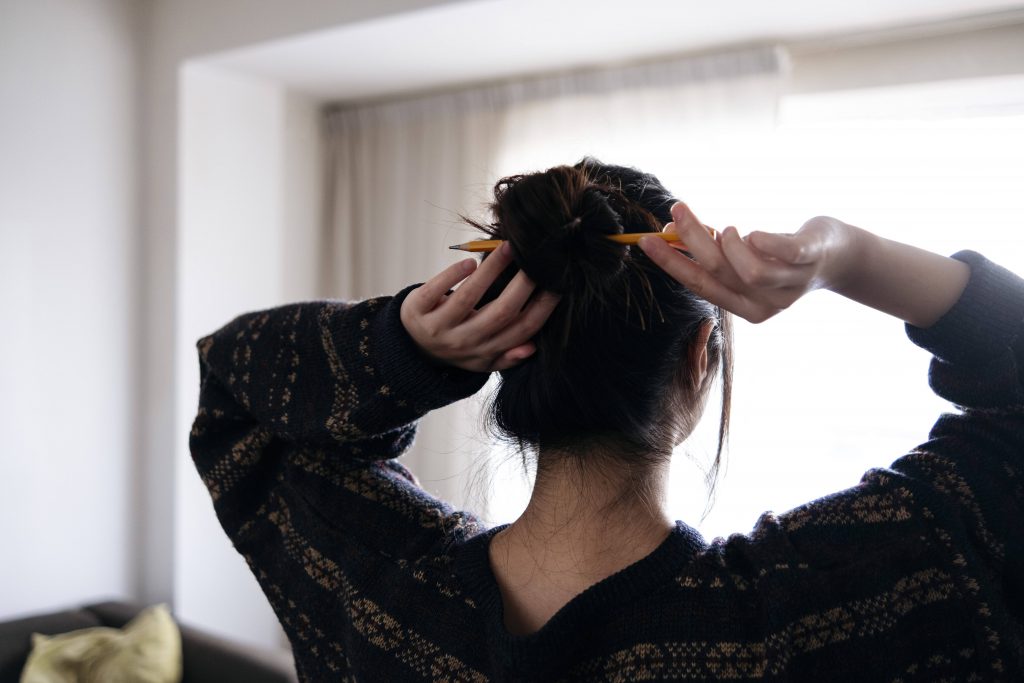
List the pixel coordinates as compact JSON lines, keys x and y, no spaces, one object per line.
{"x":613,"y":379}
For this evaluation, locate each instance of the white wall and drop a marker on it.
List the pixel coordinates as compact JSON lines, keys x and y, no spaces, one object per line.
{"x":249,"y":193}
{"x":69,"y":283}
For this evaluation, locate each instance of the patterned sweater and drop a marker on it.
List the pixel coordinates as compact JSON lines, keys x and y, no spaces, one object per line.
{"x":914,"y":574}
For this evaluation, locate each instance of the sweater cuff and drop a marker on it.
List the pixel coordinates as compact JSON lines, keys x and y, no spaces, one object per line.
{"x":983,"y":323}
{"x":409,"y":373}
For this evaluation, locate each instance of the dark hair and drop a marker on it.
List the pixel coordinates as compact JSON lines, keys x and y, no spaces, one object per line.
{"x":611,"y":374}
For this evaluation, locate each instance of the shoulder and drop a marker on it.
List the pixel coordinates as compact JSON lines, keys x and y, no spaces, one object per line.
{"x":868,"y":524}
{"x":872,"y":544}
{"x":380,"y":505}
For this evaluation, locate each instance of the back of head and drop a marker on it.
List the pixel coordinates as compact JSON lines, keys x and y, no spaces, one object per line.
{"x":611,"y":373}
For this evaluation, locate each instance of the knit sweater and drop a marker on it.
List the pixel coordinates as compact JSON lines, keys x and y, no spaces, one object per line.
{"x":914,"y":574}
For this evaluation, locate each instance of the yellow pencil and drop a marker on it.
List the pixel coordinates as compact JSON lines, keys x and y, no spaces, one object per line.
{"x":625,"y":238}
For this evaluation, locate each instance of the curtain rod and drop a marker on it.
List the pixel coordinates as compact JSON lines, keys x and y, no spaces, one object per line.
{"x":664,"y":71}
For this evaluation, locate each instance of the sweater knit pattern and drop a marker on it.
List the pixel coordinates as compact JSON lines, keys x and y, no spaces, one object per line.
{"x":914,"y":574}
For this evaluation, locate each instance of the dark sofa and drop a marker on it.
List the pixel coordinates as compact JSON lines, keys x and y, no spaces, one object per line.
{"x":206,"y":658}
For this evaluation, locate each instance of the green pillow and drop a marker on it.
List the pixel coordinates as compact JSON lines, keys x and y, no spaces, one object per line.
{"x":146,"y":650}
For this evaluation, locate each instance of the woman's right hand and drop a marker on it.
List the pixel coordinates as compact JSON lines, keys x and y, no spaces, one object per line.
{"x":446,"y":325}
{"x":762,"y":274}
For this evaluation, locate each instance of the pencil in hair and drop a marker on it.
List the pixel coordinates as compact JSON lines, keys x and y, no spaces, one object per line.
{"x":623,"y":238}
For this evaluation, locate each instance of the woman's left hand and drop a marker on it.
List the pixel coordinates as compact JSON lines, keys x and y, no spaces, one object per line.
{"x":758,"y":276}
{"x":448,"y":328}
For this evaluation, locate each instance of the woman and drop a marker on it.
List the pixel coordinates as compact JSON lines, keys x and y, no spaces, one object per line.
{"x":607,"y":353}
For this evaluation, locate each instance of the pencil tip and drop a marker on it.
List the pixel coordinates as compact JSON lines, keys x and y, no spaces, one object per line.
{"x":455,"y":246}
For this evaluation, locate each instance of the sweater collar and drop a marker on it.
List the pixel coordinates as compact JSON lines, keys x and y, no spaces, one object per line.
{"x":529,"y":655}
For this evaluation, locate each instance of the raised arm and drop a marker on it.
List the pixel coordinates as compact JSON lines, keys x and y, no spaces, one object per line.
{"x":327,"y":372}
{"x":760,"y":275}
{"x":912,"y":284}
{"x":965,"y":485}
{"x":328,"y":387}
{"x":323,"y":386}
{"x":303,"y":410}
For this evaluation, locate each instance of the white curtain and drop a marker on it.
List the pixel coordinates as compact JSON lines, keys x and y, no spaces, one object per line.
{"x":400,"y":173}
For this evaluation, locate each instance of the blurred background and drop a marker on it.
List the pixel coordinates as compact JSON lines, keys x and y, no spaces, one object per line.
{"x":168,"y":164}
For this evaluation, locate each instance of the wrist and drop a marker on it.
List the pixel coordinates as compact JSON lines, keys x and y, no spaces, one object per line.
{"x":418,"y":350}
{"x":406,"y":367}
{"x":851,"y":251}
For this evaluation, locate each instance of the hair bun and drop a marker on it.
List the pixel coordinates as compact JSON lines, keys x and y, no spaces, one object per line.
{"x":557,"y":222}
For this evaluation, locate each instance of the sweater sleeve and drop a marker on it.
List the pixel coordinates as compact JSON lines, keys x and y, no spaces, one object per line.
{"x":313,"y":402}
{"x":929,"y":551}
{"x":970,"y":473}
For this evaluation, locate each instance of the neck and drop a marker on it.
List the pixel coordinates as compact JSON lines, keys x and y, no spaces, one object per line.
{"x":591,"y":523}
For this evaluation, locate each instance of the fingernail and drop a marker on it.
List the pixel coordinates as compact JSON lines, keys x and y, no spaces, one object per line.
{"x":646,"y":242}
{"x":467,"y":265}
{"x":506,"y":248}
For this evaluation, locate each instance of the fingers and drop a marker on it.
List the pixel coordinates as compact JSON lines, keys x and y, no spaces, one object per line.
{"x":492,"y":338}
{"x":691,"y":229}
{"x":756,"y":271}
{"x":461,"y":303}
{"x":516,"y":338}
{"x":526,"y":325}
{"x":788,"y":248}
{"x":678,"y":244}
{"x":703,"y":246}
{"x":503,"y":310}
{"x":425,"y":298}
{"x":690,"y":274}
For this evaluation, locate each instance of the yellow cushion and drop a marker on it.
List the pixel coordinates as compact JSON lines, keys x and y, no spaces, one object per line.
{"x":146,"y":650}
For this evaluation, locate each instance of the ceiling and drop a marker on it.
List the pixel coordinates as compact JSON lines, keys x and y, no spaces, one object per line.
{"x":477,"y":41}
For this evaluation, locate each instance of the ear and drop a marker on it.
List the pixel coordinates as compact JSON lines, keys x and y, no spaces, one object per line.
{"x":698,"y":355}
